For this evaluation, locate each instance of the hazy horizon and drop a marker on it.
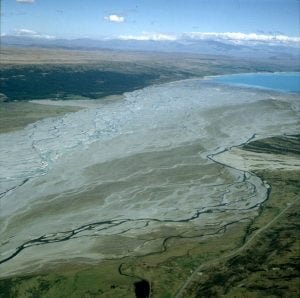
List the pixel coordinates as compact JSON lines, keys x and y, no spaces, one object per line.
{"x":234,"y":20}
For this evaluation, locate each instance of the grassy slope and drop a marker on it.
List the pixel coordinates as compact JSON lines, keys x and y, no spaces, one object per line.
{"x":269,"y":266}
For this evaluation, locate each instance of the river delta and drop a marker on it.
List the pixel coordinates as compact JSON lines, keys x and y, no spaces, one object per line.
{"x":138,"y":177}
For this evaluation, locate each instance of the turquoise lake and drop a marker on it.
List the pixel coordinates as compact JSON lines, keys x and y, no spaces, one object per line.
{"x":285,"y":81}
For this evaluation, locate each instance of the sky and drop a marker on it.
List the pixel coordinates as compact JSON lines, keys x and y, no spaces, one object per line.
{"x":142,"y":19}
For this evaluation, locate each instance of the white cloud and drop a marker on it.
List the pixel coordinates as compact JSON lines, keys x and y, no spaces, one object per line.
{"x":114,"y":18}
{"x":31,"y":33}
{"x":231,"y":37}
{"x":24,"y":32}
{"x":25,"y":1}
{"x":239,"y":37}
{"x":149,"y":36}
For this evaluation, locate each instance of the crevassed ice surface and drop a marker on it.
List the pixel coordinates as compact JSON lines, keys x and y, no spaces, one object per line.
{"x":120,"y":178}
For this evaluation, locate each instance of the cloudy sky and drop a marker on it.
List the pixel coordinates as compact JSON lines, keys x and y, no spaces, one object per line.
{"x":151,"y":19}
